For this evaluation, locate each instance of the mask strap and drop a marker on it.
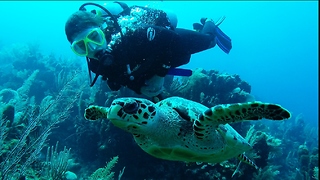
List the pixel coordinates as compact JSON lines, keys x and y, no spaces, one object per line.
{"x":94,"y":80}
{"x":88,"y":62}
{"x":96,"y":76}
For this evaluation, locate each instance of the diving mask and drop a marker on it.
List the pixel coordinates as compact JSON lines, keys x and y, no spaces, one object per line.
{"x":89,"y":42}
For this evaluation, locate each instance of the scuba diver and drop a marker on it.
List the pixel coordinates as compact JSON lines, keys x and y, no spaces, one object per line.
{"x":136,"y":47}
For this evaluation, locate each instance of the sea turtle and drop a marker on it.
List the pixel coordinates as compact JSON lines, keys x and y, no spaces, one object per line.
{"x":178,"y":129}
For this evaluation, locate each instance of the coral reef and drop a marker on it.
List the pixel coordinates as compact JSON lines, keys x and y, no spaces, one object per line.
{"x":42,"y":100}
{"x":216,"y":88}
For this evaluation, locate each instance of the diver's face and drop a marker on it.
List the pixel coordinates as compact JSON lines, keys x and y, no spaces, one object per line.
{"x":89,"y":42}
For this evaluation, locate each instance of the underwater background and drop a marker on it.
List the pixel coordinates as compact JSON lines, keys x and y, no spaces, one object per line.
{"x":274,"y":59}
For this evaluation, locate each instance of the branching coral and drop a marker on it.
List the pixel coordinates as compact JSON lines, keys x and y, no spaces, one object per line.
{"x":264,"y":146}
{"x":26,"y":150}
{"x":56,"y":164}
{"x":106,"y":173}
{"x":267,"y":173}
{"x":315,"y":173}
{"x":252,"y":137}
{"x":178,"y":84}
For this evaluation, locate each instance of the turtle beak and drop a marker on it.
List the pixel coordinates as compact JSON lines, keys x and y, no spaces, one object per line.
{"x":129,"y":127}
{"x":115,"y":113}
{"x":120,"y":124}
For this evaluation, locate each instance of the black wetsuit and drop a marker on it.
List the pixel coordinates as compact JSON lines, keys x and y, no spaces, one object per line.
{"x":147,"y":57}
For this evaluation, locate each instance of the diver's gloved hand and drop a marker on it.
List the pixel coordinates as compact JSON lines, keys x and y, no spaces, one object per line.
{"x":208,"y":26}
{"x":153,"y":87}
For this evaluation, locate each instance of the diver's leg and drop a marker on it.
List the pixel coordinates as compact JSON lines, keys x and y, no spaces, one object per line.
{"x":193,"y":42}
{"x":223,"y":41}
{"x":210,"y":35}
{"x":207,"y":26}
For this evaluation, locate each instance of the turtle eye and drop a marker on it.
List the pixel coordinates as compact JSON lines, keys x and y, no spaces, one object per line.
{"x":131,"y":107}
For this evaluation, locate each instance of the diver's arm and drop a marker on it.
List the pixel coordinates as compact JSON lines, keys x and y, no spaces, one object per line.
{"x":192,"y":42}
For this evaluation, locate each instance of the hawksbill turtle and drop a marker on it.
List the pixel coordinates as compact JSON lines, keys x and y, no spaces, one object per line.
{"x":178,"y":129}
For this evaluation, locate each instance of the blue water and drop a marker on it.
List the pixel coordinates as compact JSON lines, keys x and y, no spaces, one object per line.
{"x":275,"y":44}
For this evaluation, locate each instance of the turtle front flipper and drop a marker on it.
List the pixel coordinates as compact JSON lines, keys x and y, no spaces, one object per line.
{"x":95,"y":112}
{"x":230,"y":113}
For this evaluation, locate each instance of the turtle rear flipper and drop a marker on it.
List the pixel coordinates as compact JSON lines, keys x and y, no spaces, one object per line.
{"x":243,"y":158}
{"x":95,"y":112}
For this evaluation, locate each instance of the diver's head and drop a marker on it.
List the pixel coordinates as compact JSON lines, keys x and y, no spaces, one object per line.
{"x":84,"y":33}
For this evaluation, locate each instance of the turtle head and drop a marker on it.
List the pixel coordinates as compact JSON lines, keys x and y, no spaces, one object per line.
{"x":134,"y":115}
